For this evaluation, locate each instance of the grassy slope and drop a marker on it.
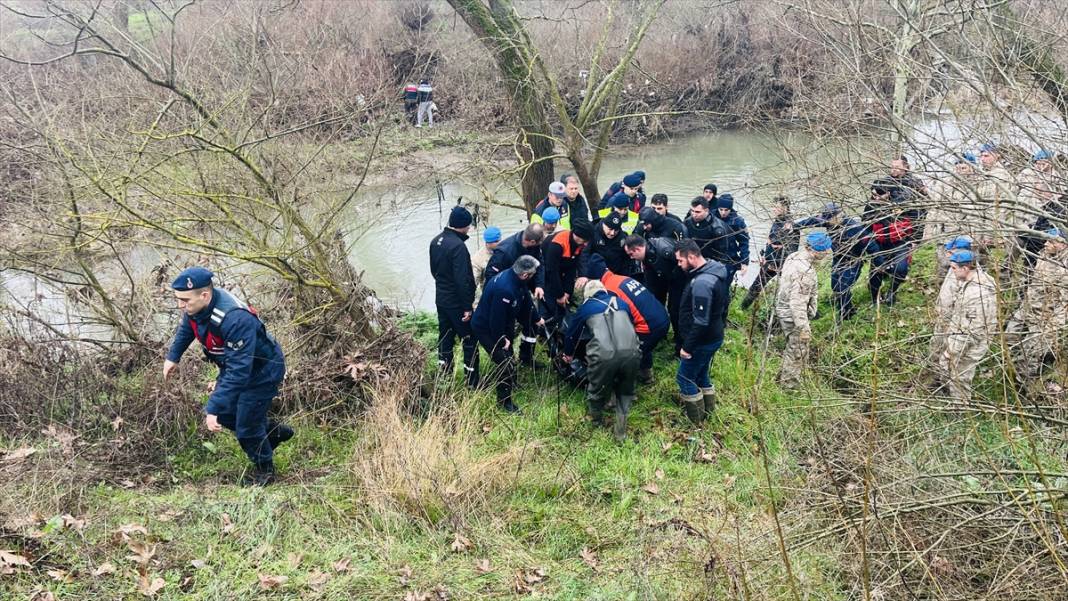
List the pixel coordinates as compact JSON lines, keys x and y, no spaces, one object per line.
{"x":707,"y":532}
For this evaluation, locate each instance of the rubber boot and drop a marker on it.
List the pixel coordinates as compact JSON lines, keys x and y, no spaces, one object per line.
{"x":708,"y":395}
{"x":277,"y":433}
{"x":262,"y":475}
{"x":645,"y":375}
{"x":619,"y":428}
{"x":471,"y":376}
{"x":694,"y":407}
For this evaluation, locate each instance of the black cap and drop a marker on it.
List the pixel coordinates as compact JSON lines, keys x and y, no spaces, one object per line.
{"x":614,"y":222}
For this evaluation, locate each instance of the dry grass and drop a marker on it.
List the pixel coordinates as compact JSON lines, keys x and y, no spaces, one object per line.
{"x":431,"y":468}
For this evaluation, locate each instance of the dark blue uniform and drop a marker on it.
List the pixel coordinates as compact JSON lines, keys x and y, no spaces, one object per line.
{"x":454,"y":294}
{"x":505,"y":300}
{"x":504,"y":256}
{"x":251,"y":368}
{"x":782,"y":241}
{"x":850,"y":241}
{"x":664,"y":279}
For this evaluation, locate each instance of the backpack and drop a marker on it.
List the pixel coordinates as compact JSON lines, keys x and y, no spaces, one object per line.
{"x":613,"y":336}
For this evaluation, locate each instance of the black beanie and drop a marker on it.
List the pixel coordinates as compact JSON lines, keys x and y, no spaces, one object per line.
{"x":582,"y":229}
{"x":459,"y":217}
{"x":725,"y":202}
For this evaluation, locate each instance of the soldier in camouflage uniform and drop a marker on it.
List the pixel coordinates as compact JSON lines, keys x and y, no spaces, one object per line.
{"x":946,"y":295}
{"x":795,"y":304}
{"x":1035,"y":327}
{"x":972,"y":320}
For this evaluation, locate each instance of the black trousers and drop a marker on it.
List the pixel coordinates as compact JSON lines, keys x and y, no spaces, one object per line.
{"x":767,"y":272}
{"x":669,"y":293}
{"x":504,"y":367}
{"x":451,"y":325}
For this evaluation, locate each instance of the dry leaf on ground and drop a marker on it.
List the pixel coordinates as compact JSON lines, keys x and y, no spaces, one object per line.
{"x":659,"y":473}
{"x":460,"y":543}
{"x":269,"y":583}
{"x":342,"y":565}
{"x":317,"y":580}
{"x":482,"y":566}
{"x":150,"y":587}
{"x":103,"y":569}
{"x":10,"y":558}
{"x":590,"y":558}
{"x":651,"y":488}
{"x":18,"y":454}
{"x":142,"y":552}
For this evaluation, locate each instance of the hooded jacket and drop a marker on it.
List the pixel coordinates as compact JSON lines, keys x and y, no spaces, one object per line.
{"x":701,"y":308}
{"x":662,"y":226}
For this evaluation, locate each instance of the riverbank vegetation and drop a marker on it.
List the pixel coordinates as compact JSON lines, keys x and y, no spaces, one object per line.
{"x":138,"y":137}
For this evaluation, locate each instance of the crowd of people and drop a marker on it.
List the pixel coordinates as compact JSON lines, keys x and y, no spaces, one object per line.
{"x":643,"y":272}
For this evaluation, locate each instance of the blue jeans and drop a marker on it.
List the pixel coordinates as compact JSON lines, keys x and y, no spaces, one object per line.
{"x":692,"y":374}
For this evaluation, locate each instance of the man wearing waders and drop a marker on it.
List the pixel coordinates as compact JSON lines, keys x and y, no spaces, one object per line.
{"x":612,"y":354}
{"x":251,"y":367}
{"x":425,"y":98}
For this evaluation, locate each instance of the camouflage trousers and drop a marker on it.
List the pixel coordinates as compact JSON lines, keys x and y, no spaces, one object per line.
{"x":959,"y":360}
{"x":1030,"y":340}
{"x":794,"y":356}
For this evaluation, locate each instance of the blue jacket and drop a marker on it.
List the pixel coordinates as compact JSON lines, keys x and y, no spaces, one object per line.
{"x":781,"y":243}
{"x":576,"y":323}
{"x":737,"y":251}
{"x":235,"y":340}
{"x":702,"y":305}
{"x":505,"y":299}
{"x":507,"y":252}
{"x":849,"y":240}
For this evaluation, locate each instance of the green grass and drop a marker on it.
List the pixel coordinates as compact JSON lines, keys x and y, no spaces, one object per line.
{"x":705,"y":531}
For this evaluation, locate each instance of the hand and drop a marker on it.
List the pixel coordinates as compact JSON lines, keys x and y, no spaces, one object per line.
{"x":805,"y":336}
{"x":744,"y":268}
{"x":763,"y":260}
{"x":567,"y":358}
{"x":212,"y":422}
{"x":466,"y":316}
{"x":211,"y":387}
{"x":539,"y":293}
{"x":562,"y":301}
{"x":684,"y":354}
{"x":580,"y":283}
{"x":789,"y":225}
{"x":168,"y":367}
{"x":541,"y":323}
{"x":507,"y":344}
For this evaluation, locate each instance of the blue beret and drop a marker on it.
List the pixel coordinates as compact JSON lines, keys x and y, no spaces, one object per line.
{"x":818,"y":241}
{"x":966,"y":157}
{"x":551,"y":215}
{"x":1056,"y":233}
{"x":1042,"y":155}
{"x":959,"y":243}
{"x":988,"y":147}
{"x":632,"y":181}
{"x":830,"y":210}
{"x":192,"y":278}
{"x":962,"y":256}
{"x":492,"y":234}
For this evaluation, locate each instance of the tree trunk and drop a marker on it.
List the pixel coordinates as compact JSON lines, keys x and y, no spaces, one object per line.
{"x":497,"y":27}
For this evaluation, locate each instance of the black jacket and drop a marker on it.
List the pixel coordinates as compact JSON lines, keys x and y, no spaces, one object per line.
{"x":702,"y":307}
{"x":781,"y":242}
{"x":615,"y":256}
{"x":712,"y":235}
{"x":450,"y":264}
{"x":663,"y":226}
{"x":562,"y":258}
{"x":510,"y":249}
{"x":659,"y":262}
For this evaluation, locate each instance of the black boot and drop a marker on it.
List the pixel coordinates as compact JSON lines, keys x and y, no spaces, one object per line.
{"x":526,"y":356}
{"x":277,"y":433}
{"x":261,"y":475}
{"x":645,"y":375}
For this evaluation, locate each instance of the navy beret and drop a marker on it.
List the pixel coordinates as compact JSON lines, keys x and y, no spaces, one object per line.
{"x":192,"y":278}
{"x":632,"y":181}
